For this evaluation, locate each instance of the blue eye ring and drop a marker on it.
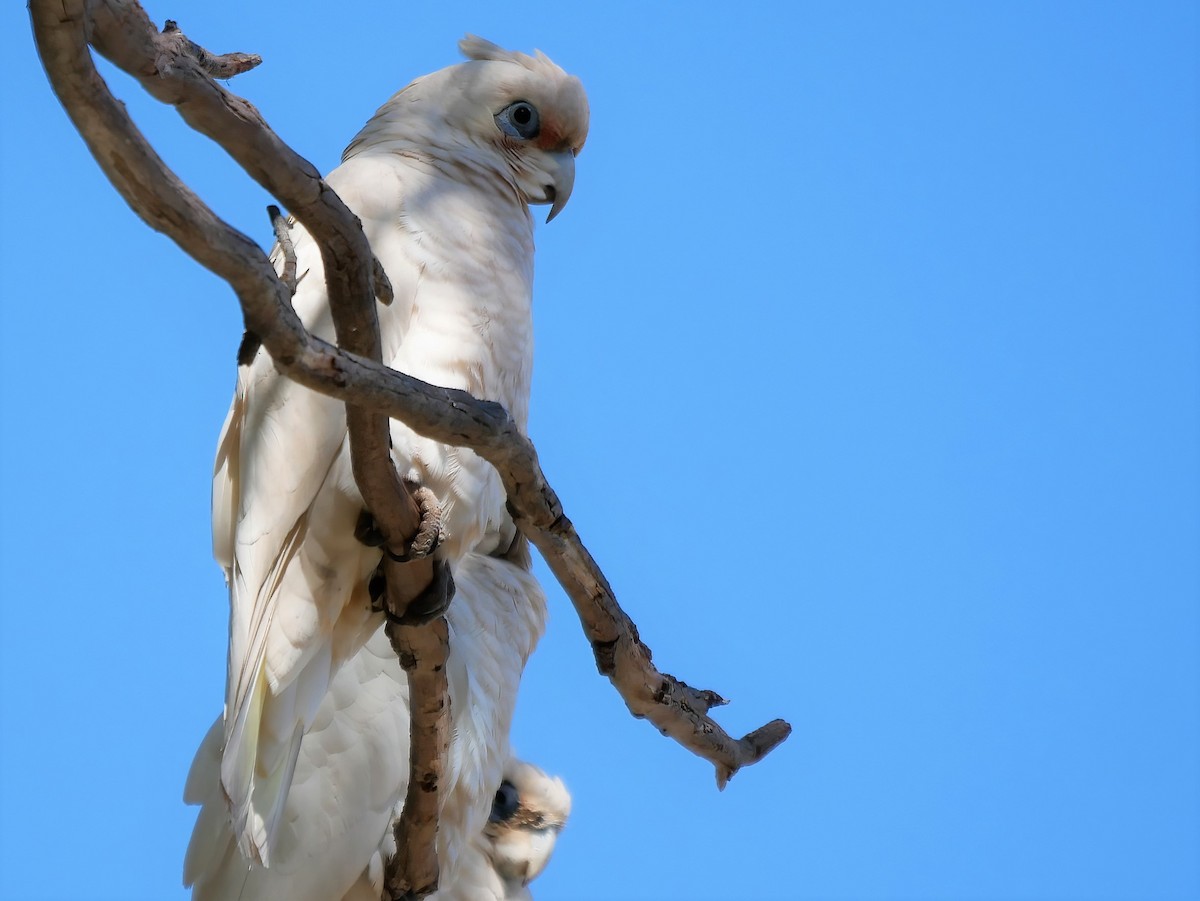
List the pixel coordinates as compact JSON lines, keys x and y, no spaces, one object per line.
{"x":519,"y":120}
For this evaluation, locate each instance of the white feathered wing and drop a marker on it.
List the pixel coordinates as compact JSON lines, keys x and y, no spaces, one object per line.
{"x":351,"y":771}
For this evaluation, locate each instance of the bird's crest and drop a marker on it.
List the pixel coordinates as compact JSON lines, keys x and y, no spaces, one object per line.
{"x":475,"y":47}
{"x":439,"y":108}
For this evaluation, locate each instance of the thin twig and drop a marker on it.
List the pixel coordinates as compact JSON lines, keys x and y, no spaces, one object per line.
{"x":223,"y":66}
{"x":283,"y":236}
{"x":250,"y":341}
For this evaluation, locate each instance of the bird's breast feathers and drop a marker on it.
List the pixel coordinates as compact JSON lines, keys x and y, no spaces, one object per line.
{"x":460,"y":261}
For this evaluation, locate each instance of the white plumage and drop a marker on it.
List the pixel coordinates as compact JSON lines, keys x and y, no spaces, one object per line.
{"x":514,"y":847}
{"x":441,"y":178}
{"x":351,"y":772}
{"x":530,"y":810}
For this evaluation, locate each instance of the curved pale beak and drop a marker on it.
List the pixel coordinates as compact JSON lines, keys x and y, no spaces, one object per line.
{"x":541,"y":846}
{"x":560,"y":168}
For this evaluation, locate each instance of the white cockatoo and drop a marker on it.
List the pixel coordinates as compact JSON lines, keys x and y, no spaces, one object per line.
{"x":441,"y":178}
{"x":528,"y":812}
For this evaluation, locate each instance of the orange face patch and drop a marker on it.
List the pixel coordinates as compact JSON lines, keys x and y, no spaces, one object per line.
{"x":552,"y":138}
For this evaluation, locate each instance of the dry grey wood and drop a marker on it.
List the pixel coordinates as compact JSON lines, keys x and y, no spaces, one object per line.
{"x":224,"y":66}
{"x":283,"y":237}
{"x":120,"y":31}
{"x":250,"y":343}
{"x":413,"y":872}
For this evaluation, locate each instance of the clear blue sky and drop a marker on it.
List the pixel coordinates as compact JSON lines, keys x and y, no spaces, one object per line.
{"x":916,"y":285}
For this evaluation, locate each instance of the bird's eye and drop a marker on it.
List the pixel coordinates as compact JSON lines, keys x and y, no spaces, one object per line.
{"x":519,"y":120}
{"x":506,"y":802}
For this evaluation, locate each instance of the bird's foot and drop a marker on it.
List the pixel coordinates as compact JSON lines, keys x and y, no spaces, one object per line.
{"x":431,"y":532}
{"x":429,"y":535}
{"x":427,"y":606}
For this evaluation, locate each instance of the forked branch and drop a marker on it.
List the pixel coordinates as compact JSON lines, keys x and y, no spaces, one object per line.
{"x":120,"y":30}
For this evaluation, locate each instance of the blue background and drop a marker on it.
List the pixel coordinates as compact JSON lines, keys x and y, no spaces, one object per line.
{"x":867,"y":367}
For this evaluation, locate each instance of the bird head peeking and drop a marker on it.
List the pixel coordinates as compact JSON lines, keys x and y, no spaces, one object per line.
{"x":519,"y":115}
{"x":529,"y":811}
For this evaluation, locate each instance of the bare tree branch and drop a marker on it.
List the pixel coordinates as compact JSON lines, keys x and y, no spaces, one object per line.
{"x":120,"y":30}
{"x":413,"y":872}
{"x":224,"y":66}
